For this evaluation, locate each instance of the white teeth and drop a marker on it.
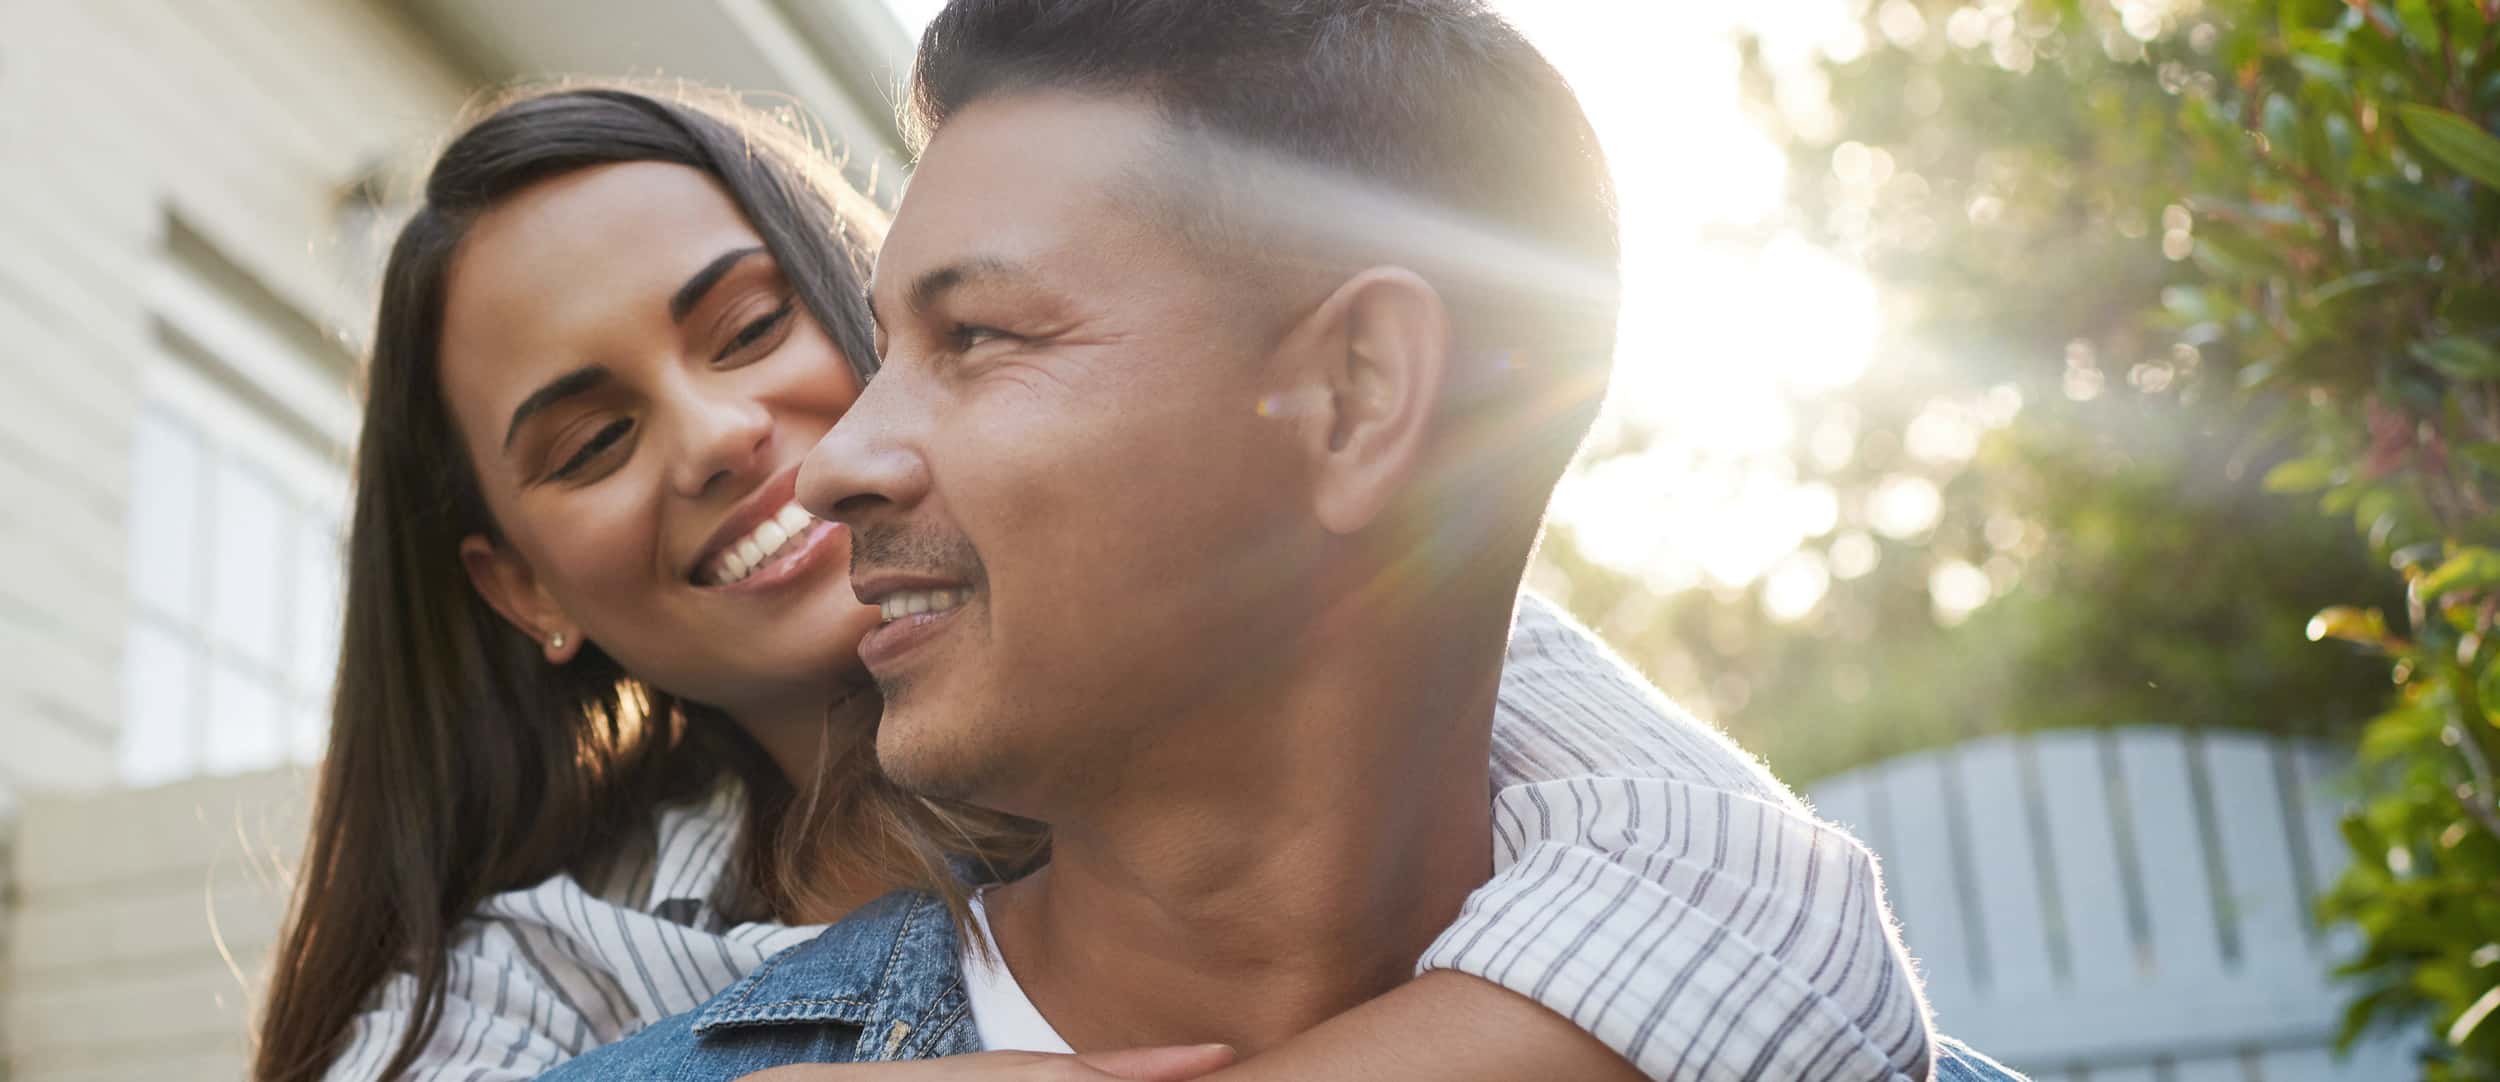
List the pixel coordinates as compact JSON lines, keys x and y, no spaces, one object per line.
{"x":916,"y":602}
{"x":743,"y":556}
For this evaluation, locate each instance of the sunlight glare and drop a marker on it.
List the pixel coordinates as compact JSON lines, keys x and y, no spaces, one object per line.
{"x":1726,"y":316}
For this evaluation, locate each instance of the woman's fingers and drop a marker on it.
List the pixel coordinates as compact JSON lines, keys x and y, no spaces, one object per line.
{"x":1169,"y":1063}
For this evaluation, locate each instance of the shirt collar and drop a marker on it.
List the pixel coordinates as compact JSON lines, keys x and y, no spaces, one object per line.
{"x":892,"y":968}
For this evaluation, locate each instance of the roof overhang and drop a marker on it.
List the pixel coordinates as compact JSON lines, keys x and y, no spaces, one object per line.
{"x":844,"y":60}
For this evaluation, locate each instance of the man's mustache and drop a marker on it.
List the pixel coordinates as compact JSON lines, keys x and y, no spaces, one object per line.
{"x":901,"y":549}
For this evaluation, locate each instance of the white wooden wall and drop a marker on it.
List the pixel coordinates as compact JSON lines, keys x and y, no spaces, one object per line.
{"x":247,"y":119}
{"x":144,"y":922}
{"x":2120,"y":904}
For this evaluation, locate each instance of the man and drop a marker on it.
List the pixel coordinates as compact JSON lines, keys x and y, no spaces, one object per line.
{"x":1230,"y":354}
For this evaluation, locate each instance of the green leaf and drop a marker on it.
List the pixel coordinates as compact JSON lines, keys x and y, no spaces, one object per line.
{"x":2356,"y":282}
{"x":2469,"y":569}
{"x":2301,"y":475}
{"x":2280,"y":120}
{"x":2471,"y":306}
{"x":2231,"y":253}
{"x":2484,"y":456}
{"x":2460,"y":357}
{"x":2373,"y":506}
{"x":2411,"y":558}
{"x":2365,"y":626}
{"x":2440,"y":205}
{"x":2463,"y":145}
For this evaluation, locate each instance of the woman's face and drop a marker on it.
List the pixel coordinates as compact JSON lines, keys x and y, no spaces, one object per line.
{"x":637,"y":384}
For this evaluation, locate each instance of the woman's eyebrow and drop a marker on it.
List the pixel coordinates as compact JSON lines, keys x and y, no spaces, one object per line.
{"x":577,"y":381}
{"x":702,"y":281}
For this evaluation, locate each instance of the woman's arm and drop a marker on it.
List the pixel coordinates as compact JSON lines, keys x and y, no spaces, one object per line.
{"x":1442,"y":1025}
{"x":501,"y":1021}
{"x":1663,"y":891}
{"x":1660,"y":901}
{"x":1701,"y":934}
{"x":1661,"y":908}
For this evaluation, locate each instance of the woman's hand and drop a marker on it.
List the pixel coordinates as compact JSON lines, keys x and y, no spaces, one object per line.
{"x":1176,"y":1063}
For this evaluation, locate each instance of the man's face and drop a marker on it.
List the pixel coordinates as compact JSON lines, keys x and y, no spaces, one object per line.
{"x":1063,"y":484}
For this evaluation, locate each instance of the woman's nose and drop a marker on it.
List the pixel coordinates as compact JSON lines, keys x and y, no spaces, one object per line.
{"x":727,"y":440}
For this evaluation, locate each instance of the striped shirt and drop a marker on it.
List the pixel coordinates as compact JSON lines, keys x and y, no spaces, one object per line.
{"x":1653,"y":883}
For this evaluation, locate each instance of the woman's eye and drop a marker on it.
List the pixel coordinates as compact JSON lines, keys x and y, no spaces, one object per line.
{"x":756,"y":331}
{"x":600,"y":441}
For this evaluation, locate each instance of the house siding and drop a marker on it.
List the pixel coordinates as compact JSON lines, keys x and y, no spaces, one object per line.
{"x":245,"y":121}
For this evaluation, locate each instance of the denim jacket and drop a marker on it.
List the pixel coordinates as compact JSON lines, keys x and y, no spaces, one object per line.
{"x":884,"y":984}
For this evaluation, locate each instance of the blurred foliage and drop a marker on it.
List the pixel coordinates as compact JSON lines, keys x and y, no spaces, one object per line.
{"x":2142,"y":582}
{"x":2240,"y":261}
{"x":2012,"y":196}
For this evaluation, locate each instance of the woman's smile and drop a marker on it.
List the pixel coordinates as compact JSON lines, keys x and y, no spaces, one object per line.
{"x":770,"y":541}
{"x":781,"y":556}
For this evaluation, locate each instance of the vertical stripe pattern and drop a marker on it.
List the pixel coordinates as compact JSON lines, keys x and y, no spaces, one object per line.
{"x":1653,"y":883}
{"x":1659,"y":888}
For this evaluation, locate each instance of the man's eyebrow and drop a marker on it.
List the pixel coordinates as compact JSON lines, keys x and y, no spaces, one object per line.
{"x":932,"y":286}
{"x":556,"y":390}
{"x":691,"y":293}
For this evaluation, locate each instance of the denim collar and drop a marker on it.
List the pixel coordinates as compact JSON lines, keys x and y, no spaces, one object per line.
{"x":892,"y":968}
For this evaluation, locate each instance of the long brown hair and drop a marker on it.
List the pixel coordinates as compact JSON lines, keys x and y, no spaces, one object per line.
{"x":460,"y":764}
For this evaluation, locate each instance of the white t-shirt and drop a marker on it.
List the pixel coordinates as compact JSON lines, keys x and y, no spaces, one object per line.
{"x":1001,"y":1012}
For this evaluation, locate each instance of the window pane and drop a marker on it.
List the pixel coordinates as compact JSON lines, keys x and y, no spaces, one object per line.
{"x":244,"y":587}
{"x":318,"y":568}
{"x":166,"y":492}
{"x":312,"y":730}
{"x":246,"y":722}
{"x":160,"y":686}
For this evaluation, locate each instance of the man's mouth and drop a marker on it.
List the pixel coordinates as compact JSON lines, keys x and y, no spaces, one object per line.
{"x":914,"y":609}
{"x":745,"y":556}
{"x":898,"y":605}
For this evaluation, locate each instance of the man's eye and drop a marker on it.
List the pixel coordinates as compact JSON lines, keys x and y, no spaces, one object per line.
{"x":607,"y":436}
{"x":756,"y":331}
{"x":968,"y":335}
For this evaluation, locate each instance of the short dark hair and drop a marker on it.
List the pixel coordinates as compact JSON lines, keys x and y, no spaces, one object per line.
{"x":1440,"y":104}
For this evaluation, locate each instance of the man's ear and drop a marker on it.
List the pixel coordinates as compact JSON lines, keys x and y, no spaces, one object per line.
{"x":508,"y":583}
{"x":1381,"y":346}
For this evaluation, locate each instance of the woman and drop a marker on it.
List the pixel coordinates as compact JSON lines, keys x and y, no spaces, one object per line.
{"x":583,"y":772}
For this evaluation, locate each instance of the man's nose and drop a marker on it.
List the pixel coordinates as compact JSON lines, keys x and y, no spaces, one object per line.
{"x":727,"y":440}
{"x":869,"y":463}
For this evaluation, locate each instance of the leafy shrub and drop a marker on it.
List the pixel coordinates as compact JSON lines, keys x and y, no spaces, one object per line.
{"x":2295,"y":208}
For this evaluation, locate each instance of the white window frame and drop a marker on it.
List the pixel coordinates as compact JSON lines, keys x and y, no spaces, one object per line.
{"x":227,"y":376}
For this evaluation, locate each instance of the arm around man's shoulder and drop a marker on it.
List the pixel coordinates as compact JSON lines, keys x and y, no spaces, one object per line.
{"x":1658,"y":887}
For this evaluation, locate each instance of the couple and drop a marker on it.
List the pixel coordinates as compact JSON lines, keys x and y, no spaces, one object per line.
{"x":1224,"y":356}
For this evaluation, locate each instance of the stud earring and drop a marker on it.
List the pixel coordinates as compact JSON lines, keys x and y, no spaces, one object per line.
{"x":555,"y":641}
